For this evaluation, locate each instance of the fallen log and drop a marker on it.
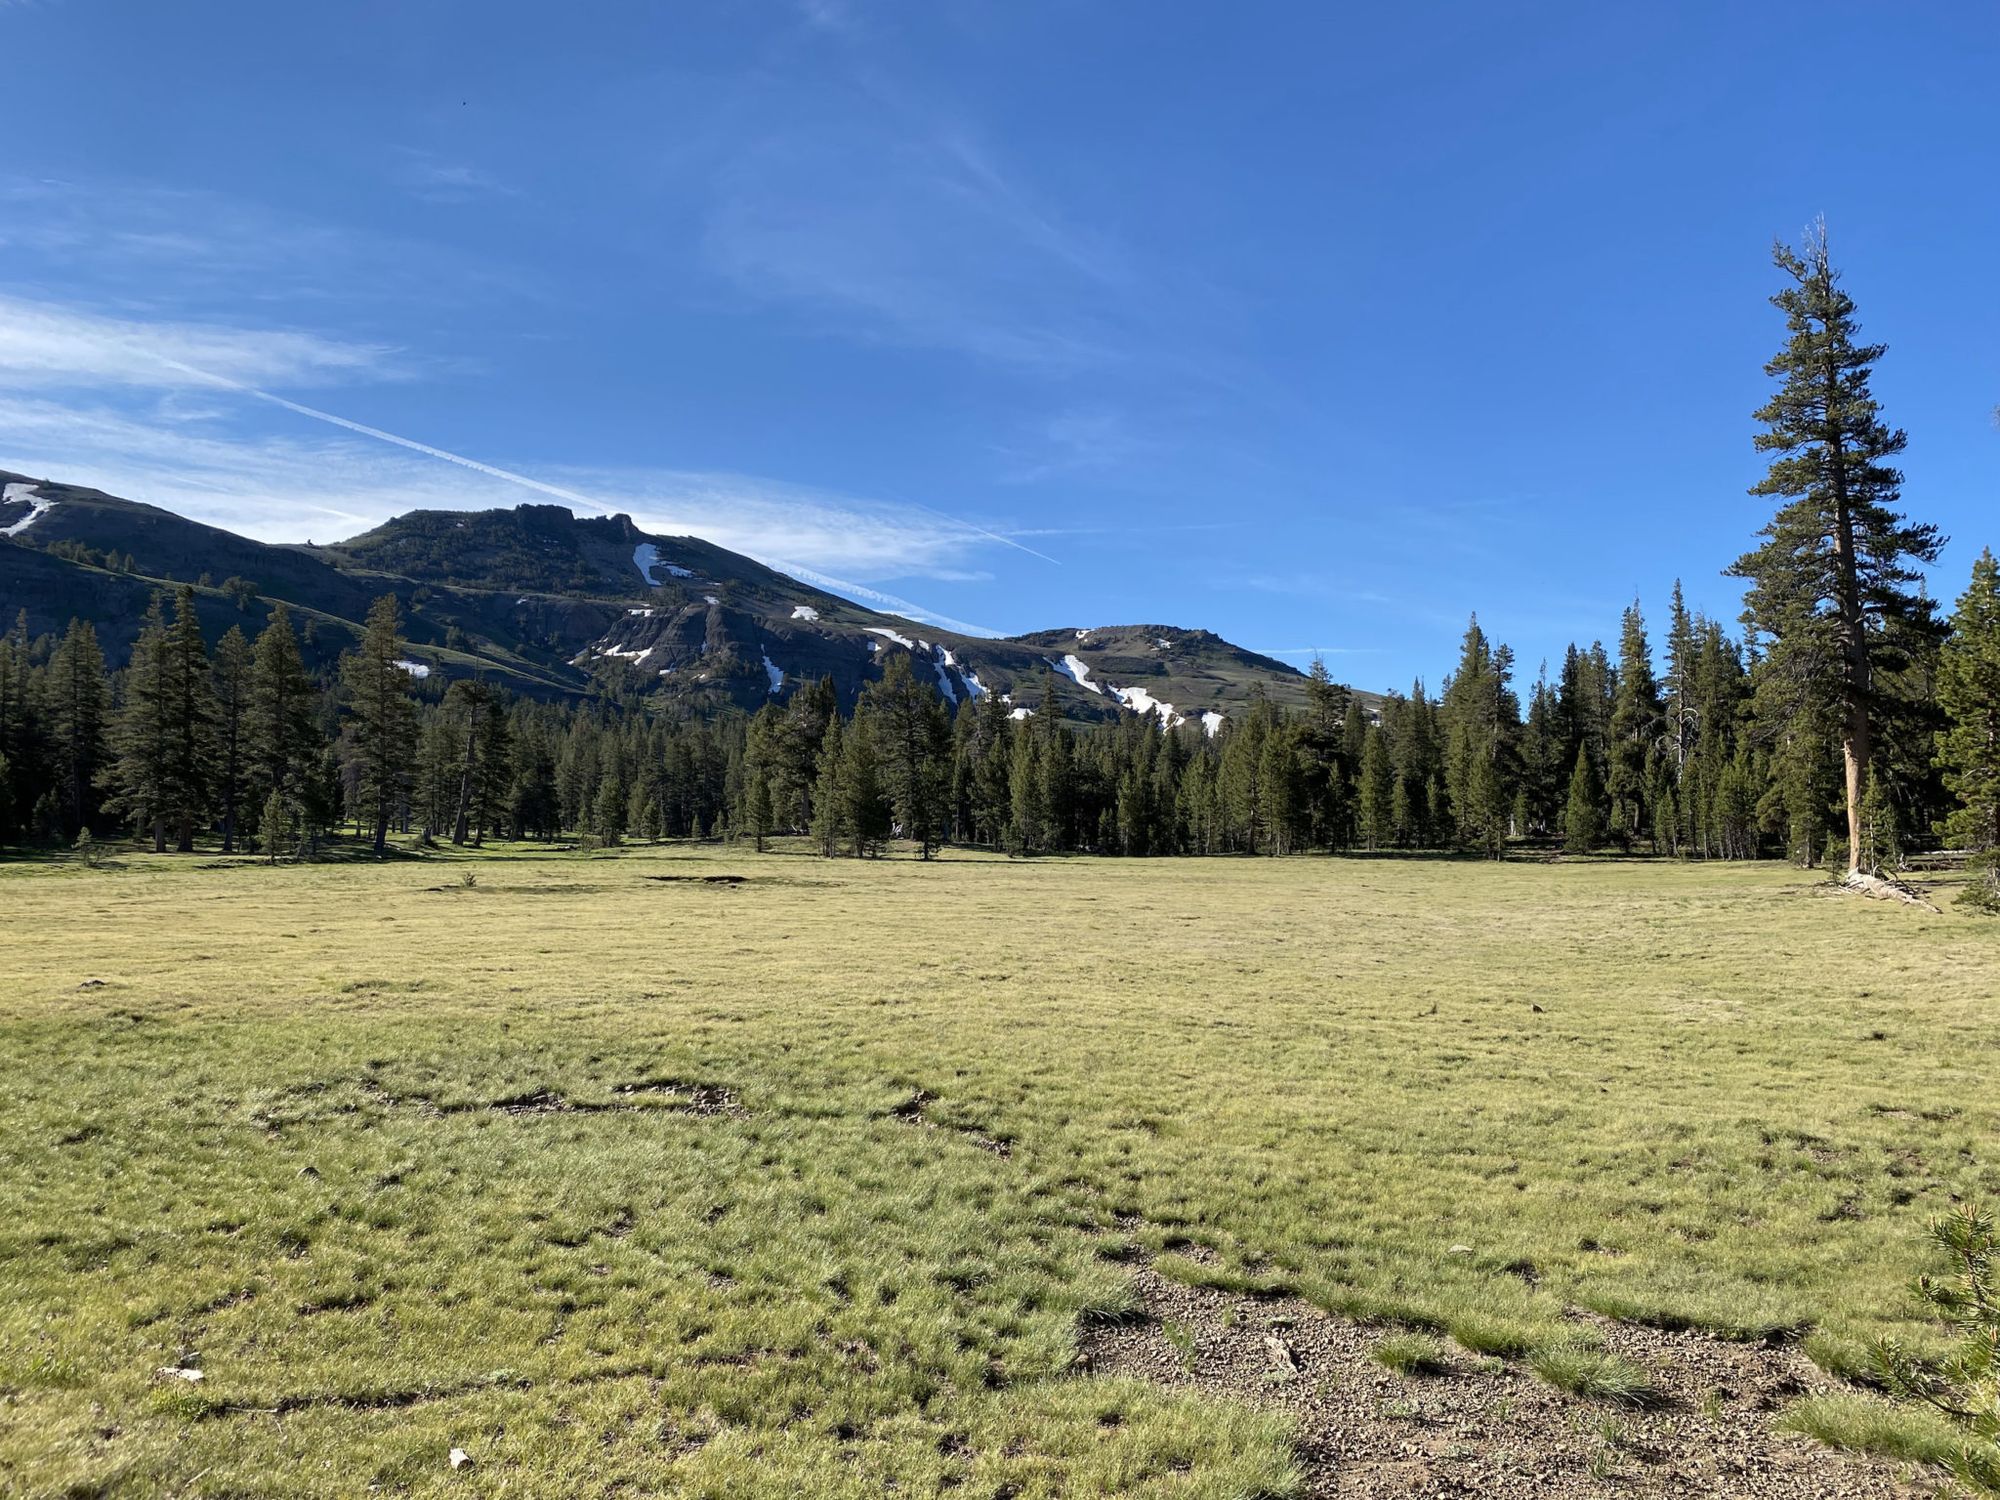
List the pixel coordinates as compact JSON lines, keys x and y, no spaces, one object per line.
{"x":1884,"y":888}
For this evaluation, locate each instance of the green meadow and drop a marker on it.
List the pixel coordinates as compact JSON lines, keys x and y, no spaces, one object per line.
{"x":623,"y":1181}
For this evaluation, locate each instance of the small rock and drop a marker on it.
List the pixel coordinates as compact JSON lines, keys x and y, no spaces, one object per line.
{"x":181,"y":1372}
{"x":1459,"y":1250}
{"x":460,"y":1458}
{"x":91,"y":984}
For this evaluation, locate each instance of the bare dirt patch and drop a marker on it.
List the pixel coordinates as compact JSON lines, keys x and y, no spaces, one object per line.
{"x":915,"y":1110}
{"x":1487,"y":1427}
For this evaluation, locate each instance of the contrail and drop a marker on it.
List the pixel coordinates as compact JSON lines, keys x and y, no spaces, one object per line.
{"x":861,"y":593}
{"x":389,"y":437}
{"x":808,"y":575}
{"x":1005,"y":541}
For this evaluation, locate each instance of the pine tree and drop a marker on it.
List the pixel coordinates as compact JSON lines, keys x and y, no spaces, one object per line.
{"x":608,"y":810}
{"x":1376,"y":793}
{"x":1881,"y":841}
{"x":191,"y":721}
{"x":284,"y":743}
{"x":464,"y":704}
{"x":1634,"y":730}
{"x":1832,"y":586}
{"x":79,"y":704}
{"x":384,"y":722}
{"x":1280,"y":788}
{"x":276,"y":825}
{"x":533,"y":801}
{"x":138,"y":777}
{"x":757,"y":808}
{"x":1665,"y":809}
{"x":1583,"y":819}
{"x":908,"y":729}
{"x":1969,"y":749}
{"x":1329,"y":751}
{"x":233,"y":699}
{"x":1482,"y":718}
{"x":1683,"y":650}
{"x":494,"y":773}
{"x":1543,"y":767}
{"x":1027,"y":813}
{"x":830,"y":807}
{"x":992,"y":746}
{"x":1799,"y":801}
{"x":868,"y":816}
{"x":13,"y":777}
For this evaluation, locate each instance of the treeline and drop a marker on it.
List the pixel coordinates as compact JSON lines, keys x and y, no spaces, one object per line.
{"x":1849,"y":721}
{"x":240,"y":744}
{"x":243,"y":745}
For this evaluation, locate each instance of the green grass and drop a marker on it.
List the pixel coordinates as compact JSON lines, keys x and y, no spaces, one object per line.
{"x":1594,"y":1375}
{"x":1413,"y":1354}
{"x":612,"y":1181}
{"x":1868,"y":1424}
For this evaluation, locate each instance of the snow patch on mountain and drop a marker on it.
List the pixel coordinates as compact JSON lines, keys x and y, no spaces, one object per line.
{"x":974,"y":688}
{"x":1077,"y":670}
{"x":1140,"y":701}
{"x":646,"y":557}
{"x":902,"y":640}
{"x":1022,"y":713}
{"x":804,"y":612}
{"x":775,"y":672}
{"x":1211,"y":723}
{"x":38,"y":507}
{"x":414,"y":668}
{"x":944,"y":678}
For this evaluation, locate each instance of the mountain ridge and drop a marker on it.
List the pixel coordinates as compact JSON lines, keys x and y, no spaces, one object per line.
{"x":555,"y":604}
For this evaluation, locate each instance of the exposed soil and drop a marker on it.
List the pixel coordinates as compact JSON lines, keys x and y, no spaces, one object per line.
{"x":1486,"y":1428}
{"x":915,"y":1110}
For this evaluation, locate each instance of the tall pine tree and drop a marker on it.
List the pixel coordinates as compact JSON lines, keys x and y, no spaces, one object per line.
{"x":190,"y":748}
{"x":78,"y":703}
{"x":1832,"y":587}
{"x":384,"y":724}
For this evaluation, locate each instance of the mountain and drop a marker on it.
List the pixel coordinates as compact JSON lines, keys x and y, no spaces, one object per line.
{"x":554,"y":604}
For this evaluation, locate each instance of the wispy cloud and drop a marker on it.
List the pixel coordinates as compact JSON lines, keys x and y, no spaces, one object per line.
{"x":45,"y":345}
{"x":1080,"y":440}
{"x":435,"y":180}
{"x":877,"y":599}
{"x":827,"y":15}
{"x":198,"y":461}
{"x":175,"y":252}
{"x":893,"y":222}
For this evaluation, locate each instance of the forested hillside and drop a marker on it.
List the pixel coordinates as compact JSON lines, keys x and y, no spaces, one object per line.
{"x":529,"y":674}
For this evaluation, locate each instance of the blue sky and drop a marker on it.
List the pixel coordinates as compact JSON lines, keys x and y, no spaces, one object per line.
{"x":1317,"y":326}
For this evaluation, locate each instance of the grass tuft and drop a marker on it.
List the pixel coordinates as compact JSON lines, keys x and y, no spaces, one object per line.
{"x":1412,"y":1354}
{"x":1483,"y":1334}
{"x":1595,"y":1375}
{"x":1866,"y":1424}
